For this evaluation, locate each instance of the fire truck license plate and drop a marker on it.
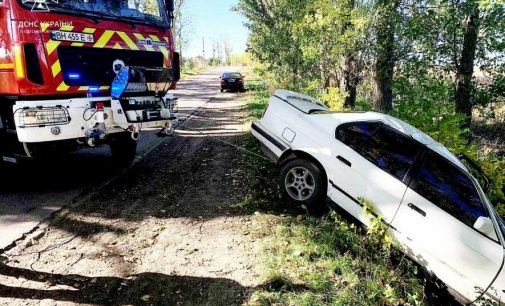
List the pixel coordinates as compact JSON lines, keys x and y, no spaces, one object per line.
{"x":73,"y":36}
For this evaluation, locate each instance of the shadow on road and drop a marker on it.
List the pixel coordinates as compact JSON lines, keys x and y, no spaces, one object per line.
{"x":60,"y":173}
{"x":140,"y":289}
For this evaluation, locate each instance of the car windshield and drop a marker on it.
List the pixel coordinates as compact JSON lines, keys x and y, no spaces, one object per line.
{"x":232,"y":75}
{"x":142,"y":11}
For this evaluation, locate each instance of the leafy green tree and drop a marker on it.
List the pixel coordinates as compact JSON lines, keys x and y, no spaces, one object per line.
{"x":386,"y":21}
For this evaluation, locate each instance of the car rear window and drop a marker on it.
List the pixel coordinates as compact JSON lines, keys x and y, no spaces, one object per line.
{"x":232,"y":75}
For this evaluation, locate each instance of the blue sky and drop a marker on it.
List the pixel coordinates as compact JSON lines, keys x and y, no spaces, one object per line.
{"x":214,"y":20}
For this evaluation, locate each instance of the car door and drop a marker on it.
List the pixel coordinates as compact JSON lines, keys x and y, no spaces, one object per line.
{"x":372,"y":162}
{"x":435,"y":223}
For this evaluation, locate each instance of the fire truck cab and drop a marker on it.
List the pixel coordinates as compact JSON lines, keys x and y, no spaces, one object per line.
{"x":84,"y":73}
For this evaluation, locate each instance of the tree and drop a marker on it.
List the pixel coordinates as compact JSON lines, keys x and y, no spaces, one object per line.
{"x":387,"y":16}
{"x":465,"y":66}
{"x":182,"y":26}
{"x":227,"y":49}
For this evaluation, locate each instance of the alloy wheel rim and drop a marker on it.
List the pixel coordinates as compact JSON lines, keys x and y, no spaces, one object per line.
{"x":299,"y":183}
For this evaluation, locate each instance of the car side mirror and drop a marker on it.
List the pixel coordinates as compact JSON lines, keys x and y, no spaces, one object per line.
{"x":484,"y":225}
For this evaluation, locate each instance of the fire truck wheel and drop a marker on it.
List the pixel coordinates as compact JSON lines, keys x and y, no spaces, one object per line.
{"x":123,"y":149}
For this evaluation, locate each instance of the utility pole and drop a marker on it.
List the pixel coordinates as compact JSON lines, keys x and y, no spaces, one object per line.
{"x":203,"y":46}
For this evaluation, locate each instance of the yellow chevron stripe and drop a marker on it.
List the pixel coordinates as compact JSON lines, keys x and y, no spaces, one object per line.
{"x":163,"y":49}
{"x":7,"y":66}
{"x":83,"y":88}
{"x":89,"y":30}
{"x":56,"y":68}
{"x":117,"y":46}
{"x":104,"y":87}
{"x":62,"y":87}
{"x":86,"y":30}
{"x":141,"y":37}
{"x":51,"y":46}
{"x":44,"y":26}
{"x":104,"y":39}
{"x":128,"y":40}
{"x":67,"y":28}
{"x":166,"y":39}
{"x":20,"y":70}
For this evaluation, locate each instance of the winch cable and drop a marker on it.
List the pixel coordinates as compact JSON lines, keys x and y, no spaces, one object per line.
{"x":239,"y":148}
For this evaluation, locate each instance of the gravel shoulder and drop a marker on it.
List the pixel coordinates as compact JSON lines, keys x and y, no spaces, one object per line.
{"x":169,"y":232}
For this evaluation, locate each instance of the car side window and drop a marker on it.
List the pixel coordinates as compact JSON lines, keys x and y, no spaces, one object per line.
{"x":383,"y":146}
{"x":449,"y":188}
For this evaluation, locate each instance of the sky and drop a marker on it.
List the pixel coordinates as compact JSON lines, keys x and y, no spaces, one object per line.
{"x":214,"y":20}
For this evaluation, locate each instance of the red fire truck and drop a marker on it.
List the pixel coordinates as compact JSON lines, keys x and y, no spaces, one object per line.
{"x":84,"y":73}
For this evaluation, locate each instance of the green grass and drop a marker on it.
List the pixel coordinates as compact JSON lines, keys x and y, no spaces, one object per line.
{"x":314,"y":261}
{"x":318,"y":261}
{"x":185,"y":73}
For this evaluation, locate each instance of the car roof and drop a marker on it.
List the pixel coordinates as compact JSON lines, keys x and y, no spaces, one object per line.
{"x":401,"y":126}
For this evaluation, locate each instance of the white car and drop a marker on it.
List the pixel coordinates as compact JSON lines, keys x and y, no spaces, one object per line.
{"x":433,"y":206}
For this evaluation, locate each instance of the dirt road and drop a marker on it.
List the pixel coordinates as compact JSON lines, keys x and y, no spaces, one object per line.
{"x":169,"y":232}
{"x":30,"y":193}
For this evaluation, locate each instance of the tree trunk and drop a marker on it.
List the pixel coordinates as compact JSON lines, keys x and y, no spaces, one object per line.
{"x":349,"y":82}
{"x":464,"y":74}
{"x":385,"y":47}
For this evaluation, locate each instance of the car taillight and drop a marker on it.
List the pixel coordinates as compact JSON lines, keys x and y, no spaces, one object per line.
{"x":222,"y":81}
{"x":241,"y":81}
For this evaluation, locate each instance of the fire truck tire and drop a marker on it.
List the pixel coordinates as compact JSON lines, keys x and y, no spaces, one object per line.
{"x":123,"y":149}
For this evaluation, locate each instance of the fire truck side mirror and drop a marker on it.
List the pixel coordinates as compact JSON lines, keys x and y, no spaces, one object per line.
{"x":170,"y":5}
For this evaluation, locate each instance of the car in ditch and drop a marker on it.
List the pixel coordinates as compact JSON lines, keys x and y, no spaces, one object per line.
{"x":433,"y":206}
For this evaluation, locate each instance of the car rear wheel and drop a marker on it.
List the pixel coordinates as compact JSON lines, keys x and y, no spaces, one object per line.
{"x":303,"y":182}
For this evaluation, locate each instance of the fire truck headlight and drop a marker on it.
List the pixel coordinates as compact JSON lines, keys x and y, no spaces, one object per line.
{"x":43,"y":116}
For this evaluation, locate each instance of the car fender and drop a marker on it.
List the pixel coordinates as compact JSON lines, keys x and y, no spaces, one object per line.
{"x":290,"y":154}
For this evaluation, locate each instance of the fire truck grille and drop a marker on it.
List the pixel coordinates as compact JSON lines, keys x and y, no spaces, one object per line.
{"x":94,"y":66}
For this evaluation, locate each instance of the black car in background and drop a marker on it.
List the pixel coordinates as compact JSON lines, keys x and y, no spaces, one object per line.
{"x":232,"y":81}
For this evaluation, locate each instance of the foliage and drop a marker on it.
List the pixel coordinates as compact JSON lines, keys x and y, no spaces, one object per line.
{"x":334,"y":98}
{"x":347,"y":44}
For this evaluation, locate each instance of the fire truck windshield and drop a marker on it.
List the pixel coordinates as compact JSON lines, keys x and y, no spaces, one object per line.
{"x":139,"y":11}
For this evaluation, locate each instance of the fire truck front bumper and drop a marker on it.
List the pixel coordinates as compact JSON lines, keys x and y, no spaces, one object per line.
{"x":56,"y":120}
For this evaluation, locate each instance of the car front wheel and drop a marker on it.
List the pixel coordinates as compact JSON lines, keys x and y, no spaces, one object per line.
{"x":303,"y":182}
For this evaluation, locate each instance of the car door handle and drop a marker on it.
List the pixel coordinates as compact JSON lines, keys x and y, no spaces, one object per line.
{"x":345,"y":161}
{"x":417,"y":209}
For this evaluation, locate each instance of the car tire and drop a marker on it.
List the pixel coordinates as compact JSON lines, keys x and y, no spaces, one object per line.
{"x":222,"y":90}
{"x":303,"y":183}
{"x":123,"y":149}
